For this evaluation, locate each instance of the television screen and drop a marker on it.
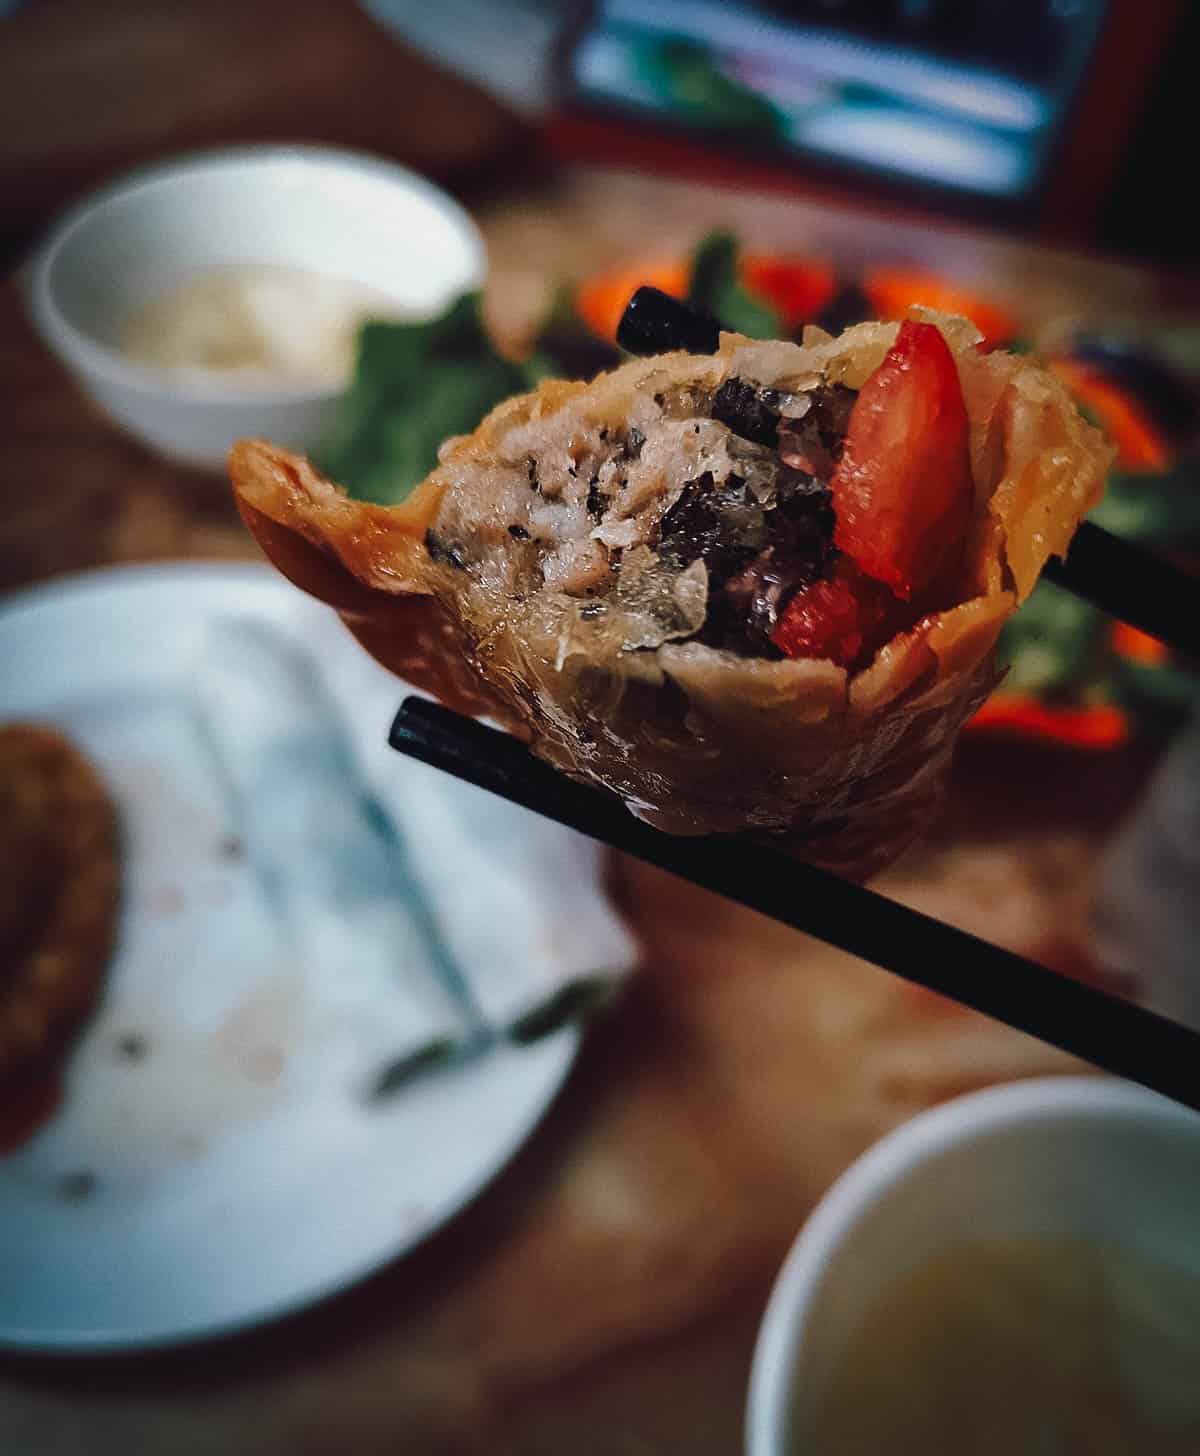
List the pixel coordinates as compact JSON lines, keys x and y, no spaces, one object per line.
{"x":967,"y":95}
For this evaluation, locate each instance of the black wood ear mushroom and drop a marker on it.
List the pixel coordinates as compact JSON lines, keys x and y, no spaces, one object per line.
{"x":656,"y":323}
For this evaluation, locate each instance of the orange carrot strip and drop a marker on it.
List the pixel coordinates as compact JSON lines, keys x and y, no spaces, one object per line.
{"x":1137,"y":646}
{"x":1139,"y":445}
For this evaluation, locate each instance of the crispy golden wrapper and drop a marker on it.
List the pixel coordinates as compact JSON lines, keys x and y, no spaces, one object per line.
{"x":844,"y":769}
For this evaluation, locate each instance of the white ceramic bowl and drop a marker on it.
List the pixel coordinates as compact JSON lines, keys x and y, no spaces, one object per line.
{"x":339,"y":213}
{"x":1055,"y":1157}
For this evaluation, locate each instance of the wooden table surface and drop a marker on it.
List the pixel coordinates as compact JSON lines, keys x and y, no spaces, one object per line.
{"x":603,"y":1294}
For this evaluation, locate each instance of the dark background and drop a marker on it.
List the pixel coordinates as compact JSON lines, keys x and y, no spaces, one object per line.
{"x":88,"y":87}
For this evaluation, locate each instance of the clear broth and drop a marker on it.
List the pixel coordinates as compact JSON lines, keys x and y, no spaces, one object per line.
{"x":1028,"y":1347}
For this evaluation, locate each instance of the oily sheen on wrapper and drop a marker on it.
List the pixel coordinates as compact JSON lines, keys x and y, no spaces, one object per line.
{"x":842,"y":768}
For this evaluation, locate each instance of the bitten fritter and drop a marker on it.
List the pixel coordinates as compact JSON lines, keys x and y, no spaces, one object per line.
{"x":755,"y":591}
{"x":59,"y":863}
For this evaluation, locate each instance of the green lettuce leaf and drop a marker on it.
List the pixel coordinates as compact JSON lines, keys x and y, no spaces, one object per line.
{"x":1050,"y":647}
{"x":415,"y":385}
{"x":716,"y":290}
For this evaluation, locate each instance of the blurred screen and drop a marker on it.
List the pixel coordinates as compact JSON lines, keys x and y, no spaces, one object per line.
{"x":969,"y":95}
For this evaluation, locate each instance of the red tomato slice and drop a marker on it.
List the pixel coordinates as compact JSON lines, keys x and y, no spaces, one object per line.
{"x":840,"y":618}
{"x":1017,"y":715}
{"x":902,"y":489}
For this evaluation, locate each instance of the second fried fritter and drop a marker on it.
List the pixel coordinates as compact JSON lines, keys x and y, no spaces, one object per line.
{"x":59,"y":864}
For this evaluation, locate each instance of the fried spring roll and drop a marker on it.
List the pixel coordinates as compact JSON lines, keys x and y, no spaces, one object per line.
{"x":755,"y":591}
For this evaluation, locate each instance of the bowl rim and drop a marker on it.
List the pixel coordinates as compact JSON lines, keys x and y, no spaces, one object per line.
{"x":88,"y":355}
{"x":887,"y":1164}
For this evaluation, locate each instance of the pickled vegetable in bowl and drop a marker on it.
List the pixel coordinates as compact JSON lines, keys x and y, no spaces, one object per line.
{"x":258,"y":323}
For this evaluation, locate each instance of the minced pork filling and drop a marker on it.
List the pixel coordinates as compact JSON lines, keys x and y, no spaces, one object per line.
{"x":698,"y":522}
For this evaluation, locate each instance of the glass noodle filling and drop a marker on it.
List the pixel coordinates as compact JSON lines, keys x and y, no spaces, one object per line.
{"x":698,"y":520}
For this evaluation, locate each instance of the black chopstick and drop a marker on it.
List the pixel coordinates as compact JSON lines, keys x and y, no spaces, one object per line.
{"x":1133,"y":584}
{"x":1123,"y":580}
{"x":1105,"y":1030}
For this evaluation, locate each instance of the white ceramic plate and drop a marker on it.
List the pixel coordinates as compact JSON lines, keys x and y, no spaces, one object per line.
{"x":222,"y":1167}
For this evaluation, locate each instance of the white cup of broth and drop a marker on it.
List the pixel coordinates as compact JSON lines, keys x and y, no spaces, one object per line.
{"x":1016,"y":1271}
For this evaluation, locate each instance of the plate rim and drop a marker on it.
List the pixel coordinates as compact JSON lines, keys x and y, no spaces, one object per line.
{"x":72,"y":1342}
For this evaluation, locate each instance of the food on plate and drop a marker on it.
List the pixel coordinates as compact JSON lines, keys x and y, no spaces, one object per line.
{"x":59,"y":863}
{"x":756,"y":590}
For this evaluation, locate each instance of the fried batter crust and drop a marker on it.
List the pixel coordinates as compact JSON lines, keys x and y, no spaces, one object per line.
{"x":59,"y":862}
{"x":842,"y":769}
